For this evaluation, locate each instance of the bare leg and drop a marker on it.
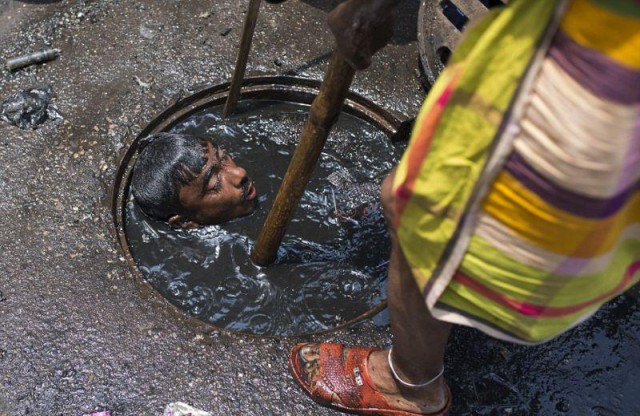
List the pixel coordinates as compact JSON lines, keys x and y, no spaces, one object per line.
{"x":419,"y":340}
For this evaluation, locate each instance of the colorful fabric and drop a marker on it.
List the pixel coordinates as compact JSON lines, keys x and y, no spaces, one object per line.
{"x":519,"y":194}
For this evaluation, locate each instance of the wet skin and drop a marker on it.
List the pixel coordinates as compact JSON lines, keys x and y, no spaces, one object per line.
{"x":221,"y":192}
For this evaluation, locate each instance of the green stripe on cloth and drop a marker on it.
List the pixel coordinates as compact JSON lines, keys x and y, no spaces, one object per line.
{"x":521,"y":329}
{"x":622,"y":7}
{"x":499,"y":273}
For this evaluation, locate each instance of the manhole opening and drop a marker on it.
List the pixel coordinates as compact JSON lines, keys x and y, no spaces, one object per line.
{"x":454,"y":14}
{"x":331,"y":269}
{"x":444,"y":53}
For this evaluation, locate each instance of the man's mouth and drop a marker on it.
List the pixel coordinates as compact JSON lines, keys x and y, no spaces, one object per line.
{"x":248,"y":192}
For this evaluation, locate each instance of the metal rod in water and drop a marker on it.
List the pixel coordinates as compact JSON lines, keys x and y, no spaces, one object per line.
{"x":243,"y":55}
{"x":324,"y":112}
{"x":32,"y":58}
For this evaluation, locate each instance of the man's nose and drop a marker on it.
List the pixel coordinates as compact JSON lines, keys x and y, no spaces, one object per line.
{"x":237,"y":175}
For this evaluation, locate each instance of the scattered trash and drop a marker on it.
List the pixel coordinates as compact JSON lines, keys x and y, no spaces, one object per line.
{"x":225,"y":32}
{"x":149,"y":31}
{"x":204,"y":15}
{"x":351,"y":199}
{"x":143,"y":84}
{"x":103,"y":413}
{"x":32,"y":58}
{"x":497,"y":396}
{"x":183,"y":409}
{"x":30,"y":108}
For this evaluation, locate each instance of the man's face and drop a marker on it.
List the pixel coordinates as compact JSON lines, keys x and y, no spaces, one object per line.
{"x":221,"y":192}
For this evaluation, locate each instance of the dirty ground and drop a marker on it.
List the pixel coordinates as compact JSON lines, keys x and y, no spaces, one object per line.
{"x":77,"y":334}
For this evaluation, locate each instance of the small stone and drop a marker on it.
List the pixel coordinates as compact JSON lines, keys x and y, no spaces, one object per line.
{"x":225,"y":32}
{"x":278,"y":62}
{"x":204,"y":15}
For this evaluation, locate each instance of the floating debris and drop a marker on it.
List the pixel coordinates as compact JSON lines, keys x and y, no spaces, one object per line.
{"x":32,"y":58}
{"x":30,"y":108}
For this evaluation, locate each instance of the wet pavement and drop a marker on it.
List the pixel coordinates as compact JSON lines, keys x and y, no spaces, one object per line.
{"x":78,"y":334}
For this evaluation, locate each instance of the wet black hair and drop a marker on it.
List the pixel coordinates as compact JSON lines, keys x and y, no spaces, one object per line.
{"x":167,"y":162}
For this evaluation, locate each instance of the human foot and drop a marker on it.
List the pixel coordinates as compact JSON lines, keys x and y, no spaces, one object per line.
{"x":358,"y":380}
{"x":426,"y":400}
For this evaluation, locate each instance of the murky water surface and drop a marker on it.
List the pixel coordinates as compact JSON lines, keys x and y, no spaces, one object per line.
{"x":332,"y":264}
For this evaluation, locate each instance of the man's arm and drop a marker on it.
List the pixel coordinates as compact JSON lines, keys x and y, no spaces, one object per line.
{"x":361,"y":28}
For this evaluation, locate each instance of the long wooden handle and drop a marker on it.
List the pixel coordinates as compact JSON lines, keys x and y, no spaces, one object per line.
{"x":323,"y":114}
{"x":243,"y":56}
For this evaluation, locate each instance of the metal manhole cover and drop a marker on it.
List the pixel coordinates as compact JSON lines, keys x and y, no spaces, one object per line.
{"x":440,"y":26}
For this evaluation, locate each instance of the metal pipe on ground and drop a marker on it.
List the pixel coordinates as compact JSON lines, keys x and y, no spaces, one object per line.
{"x":243,"y":55}
{"x":323,"y":113}
{"x":30,"y":59}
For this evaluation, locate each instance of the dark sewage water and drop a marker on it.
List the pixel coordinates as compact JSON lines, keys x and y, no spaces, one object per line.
{"x":331,"y":267}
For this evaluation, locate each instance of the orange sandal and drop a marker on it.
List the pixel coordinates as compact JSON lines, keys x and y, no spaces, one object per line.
{"x":345,"y":375}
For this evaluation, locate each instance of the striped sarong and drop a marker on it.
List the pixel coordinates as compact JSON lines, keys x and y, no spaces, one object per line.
{"x":518,"y":198}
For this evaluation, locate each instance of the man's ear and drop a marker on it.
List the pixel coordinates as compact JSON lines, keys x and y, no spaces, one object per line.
{"x":180,"y":220}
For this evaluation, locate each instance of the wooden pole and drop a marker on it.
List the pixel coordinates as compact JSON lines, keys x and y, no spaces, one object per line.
{"x":243,"y":55}
{"x":323,"y":114}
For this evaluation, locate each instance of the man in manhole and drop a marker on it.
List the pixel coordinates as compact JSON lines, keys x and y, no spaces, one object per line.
{"x":189,"y":181}
{"x":515,"y":209}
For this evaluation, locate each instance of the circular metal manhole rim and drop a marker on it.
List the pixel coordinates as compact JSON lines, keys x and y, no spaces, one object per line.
{"x":278,"y":88}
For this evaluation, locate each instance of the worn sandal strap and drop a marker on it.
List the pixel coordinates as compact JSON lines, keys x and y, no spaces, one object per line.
{"x":344,"y":373}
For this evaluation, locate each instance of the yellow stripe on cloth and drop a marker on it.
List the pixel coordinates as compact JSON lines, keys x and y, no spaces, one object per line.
{"x":553,"y":229}
{"x":506,"y":241}
{"x":614,"y":35}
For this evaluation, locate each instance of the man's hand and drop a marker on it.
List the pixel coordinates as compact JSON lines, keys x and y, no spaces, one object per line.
{"x":361,"y":28}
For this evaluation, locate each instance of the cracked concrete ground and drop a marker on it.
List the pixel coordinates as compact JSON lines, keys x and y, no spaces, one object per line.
{"x":77,"y":334}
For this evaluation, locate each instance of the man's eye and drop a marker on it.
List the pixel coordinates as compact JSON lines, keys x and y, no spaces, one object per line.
{"x":216,"y":187}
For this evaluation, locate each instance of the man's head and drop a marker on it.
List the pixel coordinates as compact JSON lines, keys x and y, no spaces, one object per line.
{"x":189,"y":181}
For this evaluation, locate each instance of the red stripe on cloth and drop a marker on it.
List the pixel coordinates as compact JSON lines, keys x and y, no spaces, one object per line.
{"x":422,"y":139}
{"x":538,"y":311}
